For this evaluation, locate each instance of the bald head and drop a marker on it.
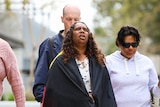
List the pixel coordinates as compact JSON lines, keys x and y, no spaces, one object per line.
{"x":71,"y":14}
{"x":69,"y":8}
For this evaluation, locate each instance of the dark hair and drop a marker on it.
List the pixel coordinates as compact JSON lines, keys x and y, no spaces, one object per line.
{"x":126,"y":31}
{"x":92,"y":49}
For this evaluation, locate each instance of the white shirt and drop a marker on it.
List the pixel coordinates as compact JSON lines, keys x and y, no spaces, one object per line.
{"x":84,"y":71}
{"x":132,"y":79}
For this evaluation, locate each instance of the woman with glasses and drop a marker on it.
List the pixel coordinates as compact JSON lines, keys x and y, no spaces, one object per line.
{"x":133,"y":75}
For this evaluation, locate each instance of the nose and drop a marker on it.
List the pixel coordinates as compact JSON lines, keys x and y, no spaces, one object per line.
{"x":130,"y":46}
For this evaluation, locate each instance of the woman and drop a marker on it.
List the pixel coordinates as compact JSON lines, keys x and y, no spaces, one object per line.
{"x":132,"y":74}
{"x":78,"y":76}
{"x":10,"y":70}
{"x":50,"y":47}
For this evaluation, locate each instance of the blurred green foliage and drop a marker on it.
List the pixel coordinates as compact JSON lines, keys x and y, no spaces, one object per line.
{"x":142,"y":14}
{"x":9,"y":96}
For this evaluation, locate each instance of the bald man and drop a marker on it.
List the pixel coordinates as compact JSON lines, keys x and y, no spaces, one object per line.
{"x":47,"y":51}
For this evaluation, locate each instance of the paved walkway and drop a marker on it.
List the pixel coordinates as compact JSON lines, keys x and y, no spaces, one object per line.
{"x":12,"y":104}
{"x":36,"y":104}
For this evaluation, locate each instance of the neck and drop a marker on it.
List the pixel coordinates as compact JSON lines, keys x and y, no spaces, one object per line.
{"x":81,"y":57}
{"x":64,"y":33}
{"x":81,"y":50}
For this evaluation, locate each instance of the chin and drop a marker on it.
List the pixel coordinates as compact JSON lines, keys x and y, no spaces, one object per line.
{"x":129,"y":56}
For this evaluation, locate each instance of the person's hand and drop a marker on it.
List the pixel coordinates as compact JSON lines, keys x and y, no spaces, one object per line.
{"x":159,"y":83}
{"x":41,"y":105}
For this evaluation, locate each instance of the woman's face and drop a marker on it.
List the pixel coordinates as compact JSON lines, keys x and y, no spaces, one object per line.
{"x":80,"y":34}
{"x":129,"y":48}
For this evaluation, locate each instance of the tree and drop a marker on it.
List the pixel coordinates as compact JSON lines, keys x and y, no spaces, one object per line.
{"x":29,"y":9}
{"x":143,"y":14}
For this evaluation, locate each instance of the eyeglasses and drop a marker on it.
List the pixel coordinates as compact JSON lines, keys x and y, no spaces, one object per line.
{"x":127,"y":45}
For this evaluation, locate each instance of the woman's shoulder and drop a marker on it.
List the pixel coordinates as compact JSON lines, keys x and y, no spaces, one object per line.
{"x":58,"y":58}
{"x":3,"y":42}
{"x":4,"y":46}
{"x":143,"y":57}
{"x":113,"y":56}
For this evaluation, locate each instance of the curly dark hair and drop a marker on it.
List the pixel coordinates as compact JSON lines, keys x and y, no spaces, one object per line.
{"x":92,"y":49}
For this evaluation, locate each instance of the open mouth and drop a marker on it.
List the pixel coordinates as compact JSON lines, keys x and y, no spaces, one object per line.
{"x":82,"y":37}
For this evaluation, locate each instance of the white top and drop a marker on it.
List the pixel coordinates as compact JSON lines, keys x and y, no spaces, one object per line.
{"x":132,"y":79}
{"x":84,"y":71}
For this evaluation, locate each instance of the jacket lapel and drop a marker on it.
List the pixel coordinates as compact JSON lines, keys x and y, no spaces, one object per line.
{"x":74,"y":75}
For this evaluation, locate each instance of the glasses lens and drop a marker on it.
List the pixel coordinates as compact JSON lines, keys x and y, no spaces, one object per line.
{"x":127,"y":45}
{"x":134,"y":45}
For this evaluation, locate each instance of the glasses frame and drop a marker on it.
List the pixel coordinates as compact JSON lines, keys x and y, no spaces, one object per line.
{"x":133,"y":44}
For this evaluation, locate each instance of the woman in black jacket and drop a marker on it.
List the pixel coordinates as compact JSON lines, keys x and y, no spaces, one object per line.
{"x":78,"y":76}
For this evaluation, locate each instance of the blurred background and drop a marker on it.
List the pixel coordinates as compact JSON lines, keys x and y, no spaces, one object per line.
{"x":26,"y":23}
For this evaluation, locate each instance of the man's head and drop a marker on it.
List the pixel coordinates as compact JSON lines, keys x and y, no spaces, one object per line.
{"x":71,"y":13}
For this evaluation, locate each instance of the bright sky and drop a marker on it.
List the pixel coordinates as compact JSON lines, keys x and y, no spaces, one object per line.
{"x":87,"y":13}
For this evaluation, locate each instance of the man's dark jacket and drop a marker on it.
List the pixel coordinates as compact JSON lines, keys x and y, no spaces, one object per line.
{"x":44,"y":58}
{"x":65,"y":86}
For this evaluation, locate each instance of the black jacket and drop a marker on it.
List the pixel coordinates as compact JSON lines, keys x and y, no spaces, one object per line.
{"x":65,"y":86}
